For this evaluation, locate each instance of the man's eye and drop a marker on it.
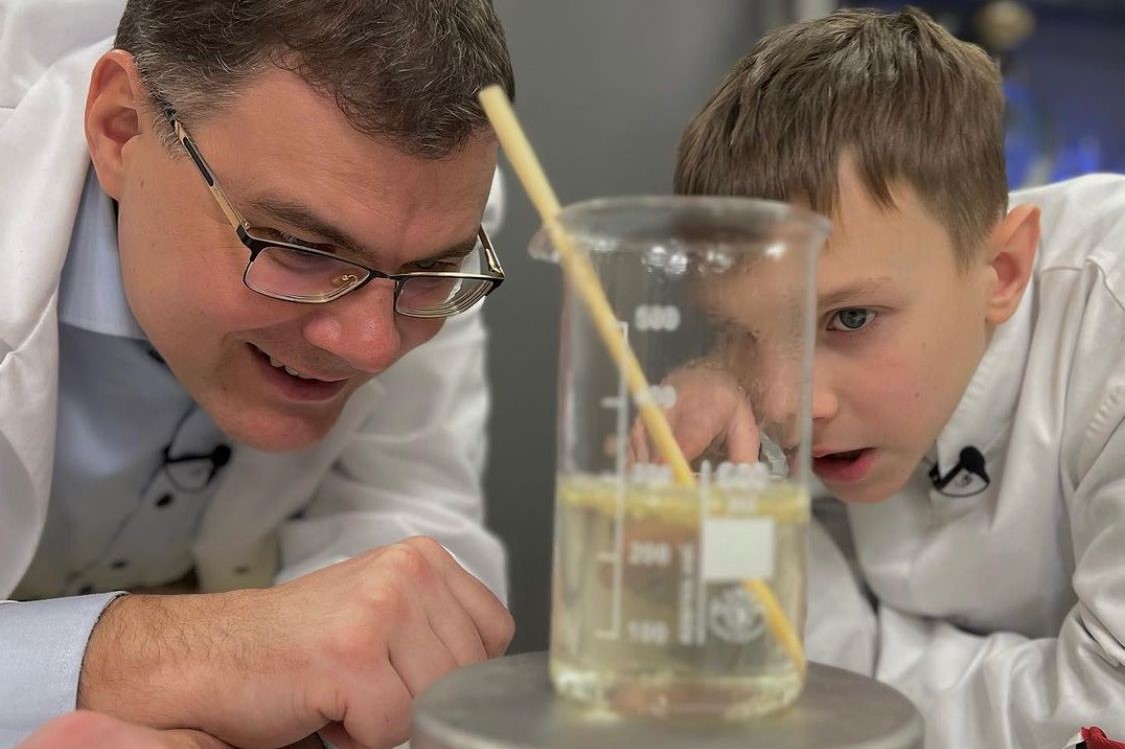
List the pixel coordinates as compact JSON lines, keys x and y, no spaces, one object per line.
{"x":435,"y":266}
{"x":851,"y":320}
{"x":276,"y":235}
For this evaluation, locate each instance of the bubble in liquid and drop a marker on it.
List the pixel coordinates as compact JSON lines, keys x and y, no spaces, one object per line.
{"x":677,"y":263}
{"x":655,"y":257}
{"x":716,"y":261}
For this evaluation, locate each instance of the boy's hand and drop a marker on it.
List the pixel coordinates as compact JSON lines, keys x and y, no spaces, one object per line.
{"x":343,"y":650}
{"x":710,"y":411}
{"x":88,"y":730}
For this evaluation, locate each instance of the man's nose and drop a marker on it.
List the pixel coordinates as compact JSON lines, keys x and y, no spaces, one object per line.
{"x":359,"y":328}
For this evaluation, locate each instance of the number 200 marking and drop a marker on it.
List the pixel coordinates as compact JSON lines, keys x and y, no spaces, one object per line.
{"x":650,"y":554}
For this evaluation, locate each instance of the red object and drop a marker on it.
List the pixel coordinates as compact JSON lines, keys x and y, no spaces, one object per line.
{"x":1095,"y":738}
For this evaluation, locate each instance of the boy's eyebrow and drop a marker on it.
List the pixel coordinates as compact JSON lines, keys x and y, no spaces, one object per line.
{"x":300,"y":217}
{"x":855,"y":292}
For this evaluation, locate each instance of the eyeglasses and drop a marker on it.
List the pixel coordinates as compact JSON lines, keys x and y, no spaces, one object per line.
{"x":293,"y":272}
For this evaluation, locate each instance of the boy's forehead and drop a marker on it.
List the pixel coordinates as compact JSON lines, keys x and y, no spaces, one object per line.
{"x":859,"y":221}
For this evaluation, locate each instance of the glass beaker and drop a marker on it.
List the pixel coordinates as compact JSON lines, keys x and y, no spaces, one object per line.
{"x":678,"y":585}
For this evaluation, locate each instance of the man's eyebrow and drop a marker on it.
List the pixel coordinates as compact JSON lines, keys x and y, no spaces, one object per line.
{"x":461,"y":249}
{"x":855,"y":292}
{"x":299,"y":217}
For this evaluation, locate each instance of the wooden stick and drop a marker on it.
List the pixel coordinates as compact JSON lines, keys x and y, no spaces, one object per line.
{"x":584,"y":279}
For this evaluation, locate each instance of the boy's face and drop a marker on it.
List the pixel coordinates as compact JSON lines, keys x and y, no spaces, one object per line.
{"x":901,"y":329}
{"x":280,"y":150}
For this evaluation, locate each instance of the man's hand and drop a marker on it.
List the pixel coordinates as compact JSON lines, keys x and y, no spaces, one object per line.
{"x":343,"y":650}
{"x":710,"y":412}
{"x":87,"y":730}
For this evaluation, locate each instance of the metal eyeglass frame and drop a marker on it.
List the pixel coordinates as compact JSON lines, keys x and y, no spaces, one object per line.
{"x":257,"y":245}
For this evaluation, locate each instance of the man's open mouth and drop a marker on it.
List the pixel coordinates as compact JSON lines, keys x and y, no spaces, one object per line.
{"x":292,"y":383}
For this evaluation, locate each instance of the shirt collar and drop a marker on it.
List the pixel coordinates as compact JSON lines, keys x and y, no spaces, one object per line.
{"x":91,"y":292}
{"x":985,"y":411}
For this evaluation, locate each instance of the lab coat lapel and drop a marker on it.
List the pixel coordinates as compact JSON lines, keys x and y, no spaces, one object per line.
{"x":44,"y":158}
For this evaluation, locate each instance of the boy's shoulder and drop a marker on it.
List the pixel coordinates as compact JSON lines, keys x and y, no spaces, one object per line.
{"x":1083,"y":223}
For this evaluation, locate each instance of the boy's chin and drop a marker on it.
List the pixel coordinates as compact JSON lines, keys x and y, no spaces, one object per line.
{"x":872,"y":491}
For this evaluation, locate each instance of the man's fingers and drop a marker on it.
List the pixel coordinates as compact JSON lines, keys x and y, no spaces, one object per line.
{"x":378,"y":712}
{"x":91,"y":730}
{"x":420,"y":657}
{"x":492,"y":621}
{"x":183,"y":739}
{"x":456,"y":630}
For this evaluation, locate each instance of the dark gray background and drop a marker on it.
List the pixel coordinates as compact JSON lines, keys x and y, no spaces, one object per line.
{"x":603,"y":89}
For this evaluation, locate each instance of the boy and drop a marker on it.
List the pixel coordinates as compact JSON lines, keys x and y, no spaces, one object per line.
{"x":969,"y":376}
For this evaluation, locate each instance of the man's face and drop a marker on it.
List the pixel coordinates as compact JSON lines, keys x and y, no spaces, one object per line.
{"x":900,"y":330}
{"x":282,"y":151}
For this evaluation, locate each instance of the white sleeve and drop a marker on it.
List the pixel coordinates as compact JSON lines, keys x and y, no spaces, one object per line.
{"x":413,"y":468}
{"x":1006,"y":691}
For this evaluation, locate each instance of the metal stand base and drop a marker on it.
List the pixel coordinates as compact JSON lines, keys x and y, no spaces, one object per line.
{"x":509,"y":704}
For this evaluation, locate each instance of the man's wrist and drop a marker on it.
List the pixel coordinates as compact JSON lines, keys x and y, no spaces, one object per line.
{"x":140,"y":659}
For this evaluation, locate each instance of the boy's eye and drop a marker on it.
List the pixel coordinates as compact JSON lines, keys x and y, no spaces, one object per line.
{"x":851,"y":320}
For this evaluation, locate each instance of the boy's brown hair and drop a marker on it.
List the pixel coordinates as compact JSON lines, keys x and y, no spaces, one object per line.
{"x":896,"y":91}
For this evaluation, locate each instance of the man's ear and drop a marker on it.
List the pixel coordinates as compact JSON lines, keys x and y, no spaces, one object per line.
{"x":114,"y":111}
{"x":1011,"y":251}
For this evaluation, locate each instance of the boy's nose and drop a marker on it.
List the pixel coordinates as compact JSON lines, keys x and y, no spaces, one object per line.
{"x":359,"y":328}
{"x":825,"y":404}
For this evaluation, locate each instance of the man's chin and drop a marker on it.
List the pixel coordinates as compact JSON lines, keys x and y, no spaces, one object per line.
{"x":276,"y":432}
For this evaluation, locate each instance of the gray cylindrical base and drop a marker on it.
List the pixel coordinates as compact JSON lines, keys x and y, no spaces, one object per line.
{"x":509,"y":704}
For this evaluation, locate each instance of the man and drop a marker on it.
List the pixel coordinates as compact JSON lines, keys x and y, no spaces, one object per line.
{"x":86,"y":730}
{"x":239,"y":229}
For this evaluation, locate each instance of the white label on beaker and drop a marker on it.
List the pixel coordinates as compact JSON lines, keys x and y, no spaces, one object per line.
{"x":741,"y":549}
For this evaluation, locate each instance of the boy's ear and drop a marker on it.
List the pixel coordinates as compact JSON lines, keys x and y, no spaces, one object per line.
{"x":113,"y":117}
{"x":1011,"y":251}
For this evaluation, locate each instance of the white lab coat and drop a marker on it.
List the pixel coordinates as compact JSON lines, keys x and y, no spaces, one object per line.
{"x":405,"y":457}
{"x":1002,"y":615}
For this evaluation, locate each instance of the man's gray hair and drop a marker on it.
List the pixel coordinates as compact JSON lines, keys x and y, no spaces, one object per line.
{"x":404,"y":70}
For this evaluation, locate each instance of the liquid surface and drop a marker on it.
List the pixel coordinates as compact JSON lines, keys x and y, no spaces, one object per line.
{"x":651,"y":611}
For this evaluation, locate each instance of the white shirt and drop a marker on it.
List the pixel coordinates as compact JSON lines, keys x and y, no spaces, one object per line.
{"x":118,"y":518}
{"x":1002,"y":614}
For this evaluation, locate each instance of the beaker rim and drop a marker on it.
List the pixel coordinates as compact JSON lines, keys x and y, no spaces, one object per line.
{"x":573,"y":215}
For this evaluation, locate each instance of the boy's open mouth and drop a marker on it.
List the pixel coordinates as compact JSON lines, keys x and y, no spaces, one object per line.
{"x":847,"y":466}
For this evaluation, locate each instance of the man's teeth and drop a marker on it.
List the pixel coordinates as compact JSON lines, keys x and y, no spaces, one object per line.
{"x":290,"y":370}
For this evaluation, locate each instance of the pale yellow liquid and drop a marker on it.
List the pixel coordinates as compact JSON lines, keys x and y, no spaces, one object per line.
{"x":677,"y":647}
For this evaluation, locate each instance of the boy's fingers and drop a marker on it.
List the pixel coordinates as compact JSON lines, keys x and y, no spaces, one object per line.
{"x":743,"y":437}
